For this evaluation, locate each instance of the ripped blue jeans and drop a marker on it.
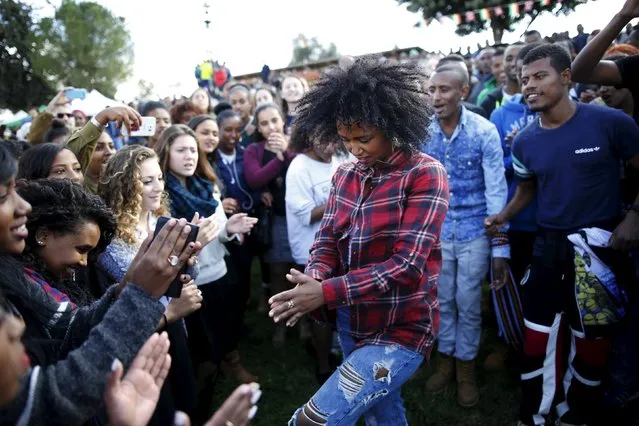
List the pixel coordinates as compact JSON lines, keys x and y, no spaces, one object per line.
{"x":368,"y":383}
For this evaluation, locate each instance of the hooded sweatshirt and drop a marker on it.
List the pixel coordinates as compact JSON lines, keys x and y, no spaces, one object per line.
{"x":514,"y":116}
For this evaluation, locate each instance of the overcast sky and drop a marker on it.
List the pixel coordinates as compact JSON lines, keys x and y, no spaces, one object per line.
{"x":171,"y":39}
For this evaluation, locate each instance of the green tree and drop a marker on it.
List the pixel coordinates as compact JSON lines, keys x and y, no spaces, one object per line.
{"x":84,"y":45}
{"x":307,"y":50}
{"x":434,"y":8}
{"x":20,"y":87}
{"x":145,"y":89}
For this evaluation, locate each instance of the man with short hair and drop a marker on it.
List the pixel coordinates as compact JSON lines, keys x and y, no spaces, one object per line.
{"x":469,"y":147}
{"x":498,"y":77}
{"x":483,"y":73}
{"x":458,"y":61}
{"x":580,"y":40}
{"x":511,"y":87}
{"x":569,"y":159}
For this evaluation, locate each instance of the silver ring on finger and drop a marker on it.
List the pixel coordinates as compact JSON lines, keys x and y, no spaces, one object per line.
{"x":195,"y":259}
{"x":290,"y":304}
{"x":173,"y":260}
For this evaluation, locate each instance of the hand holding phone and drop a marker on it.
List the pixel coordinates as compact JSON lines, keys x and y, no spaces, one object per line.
{"x":124,"y":116}
{"x":146,"y":128}
{"x":175,"y":289}
{"x":150,"y":269}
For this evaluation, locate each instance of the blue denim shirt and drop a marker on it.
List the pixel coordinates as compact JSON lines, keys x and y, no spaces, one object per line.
{"x":473,"y":158}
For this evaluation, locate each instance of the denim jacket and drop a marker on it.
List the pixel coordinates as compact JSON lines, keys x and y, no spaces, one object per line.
{"x":473,"y":158}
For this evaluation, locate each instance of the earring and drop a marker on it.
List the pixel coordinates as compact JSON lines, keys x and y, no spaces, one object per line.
{"x":40,"y":242}
{"x":395,"y":143}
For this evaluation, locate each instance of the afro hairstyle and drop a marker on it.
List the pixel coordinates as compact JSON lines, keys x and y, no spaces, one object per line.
{"x":386,"y":96}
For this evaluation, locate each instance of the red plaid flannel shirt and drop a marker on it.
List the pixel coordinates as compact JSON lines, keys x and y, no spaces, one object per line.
{"x":378,"y":249}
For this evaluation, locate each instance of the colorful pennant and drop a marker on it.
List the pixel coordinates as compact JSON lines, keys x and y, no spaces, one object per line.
{"x":510,"y":10}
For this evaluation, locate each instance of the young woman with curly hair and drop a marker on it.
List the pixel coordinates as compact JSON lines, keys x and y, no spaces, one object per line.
{"x":193,"y":191}
{"x":68,"y":228}
{"x":133,"y":187}
{"x":377,"y":254}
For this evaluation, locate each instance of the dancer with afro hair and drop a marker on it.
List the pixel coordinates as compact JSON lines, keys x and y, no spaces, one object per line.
{"x":375,"y":261}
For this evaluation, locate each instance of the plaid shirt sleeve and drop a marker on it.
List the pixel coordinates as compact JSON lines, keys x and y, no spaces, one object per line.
{"x":324,"y":258}
{"x":426,"y":189}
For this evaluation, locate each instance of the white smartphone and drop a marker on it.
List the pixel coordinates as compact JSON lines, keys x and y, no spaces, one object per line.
{"x":147,"y":128}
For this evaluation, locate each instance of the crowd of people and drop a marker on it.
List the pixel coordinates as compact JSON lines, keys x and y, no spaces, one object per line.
{"x":376,"y":204}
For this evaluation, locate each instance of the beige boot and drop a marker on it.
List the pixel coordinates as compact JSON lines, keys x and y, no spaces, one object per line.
{"x":444,"y":373}
{"x":467,"y":393}
{"x":496,"y":360}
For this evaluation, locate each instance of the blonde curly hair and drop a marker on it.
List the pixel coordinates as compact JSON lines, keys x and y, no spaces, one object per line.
{"x":121,"y":188}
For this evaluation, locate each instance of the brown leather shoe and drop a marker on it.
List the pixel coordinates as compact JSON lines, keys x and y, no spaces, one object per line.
{"x":444,"y":373}
{"x":467,"y":393}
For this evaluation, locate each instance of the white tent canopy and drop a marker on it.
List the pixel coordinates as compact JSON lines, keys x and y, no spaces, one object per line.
{"x":94,"y":103}
{"x":7,"y":116}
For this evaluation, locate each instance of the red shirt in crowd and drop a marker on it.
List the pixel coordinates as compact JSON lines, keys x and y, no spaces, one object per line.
{"x":378,"y":249}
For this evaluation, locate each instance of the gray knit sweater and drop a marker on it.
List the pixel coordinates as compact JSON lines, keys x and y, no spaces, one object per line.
{"x":71,"y":391}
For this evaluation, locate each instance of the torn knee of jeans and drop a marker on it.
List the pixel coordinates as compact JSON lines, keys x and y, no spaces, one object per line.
{"x":381,"y":372}
{"x":311,"y":416}
{"x":391,"y":348}
{"x":350,"y":382}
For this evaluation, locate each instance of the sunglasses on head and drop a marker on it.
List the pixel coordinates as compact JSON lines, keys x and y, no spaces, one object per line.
{"x":63,"y":115}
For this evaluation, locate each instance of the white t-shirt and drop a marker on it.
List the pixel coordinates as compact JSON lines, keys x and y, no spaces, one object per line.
{"x":228,"y":159}
{"x":308,"y":183}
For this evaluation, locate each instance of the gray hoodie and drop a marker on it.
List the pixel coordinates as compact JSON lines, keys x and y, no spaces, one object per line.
{"x":71,"y":391}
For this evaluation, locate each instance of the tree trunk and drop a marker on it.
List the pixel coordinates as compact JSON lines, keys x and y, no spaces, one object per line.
{"x":498,"y":30}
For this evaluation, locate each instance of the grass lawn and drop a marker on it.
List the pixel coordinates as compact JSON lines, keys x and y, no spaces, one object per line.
{"x":287,"y":377}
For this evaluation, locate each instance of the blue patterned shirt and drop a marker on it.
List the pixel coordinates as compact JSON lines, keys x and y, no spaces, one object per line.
{"x":473,"y":158}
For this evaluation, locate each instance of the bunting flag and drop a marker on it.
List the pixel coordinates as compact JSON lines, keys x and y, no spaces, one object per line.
{"x":511,"y":10}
